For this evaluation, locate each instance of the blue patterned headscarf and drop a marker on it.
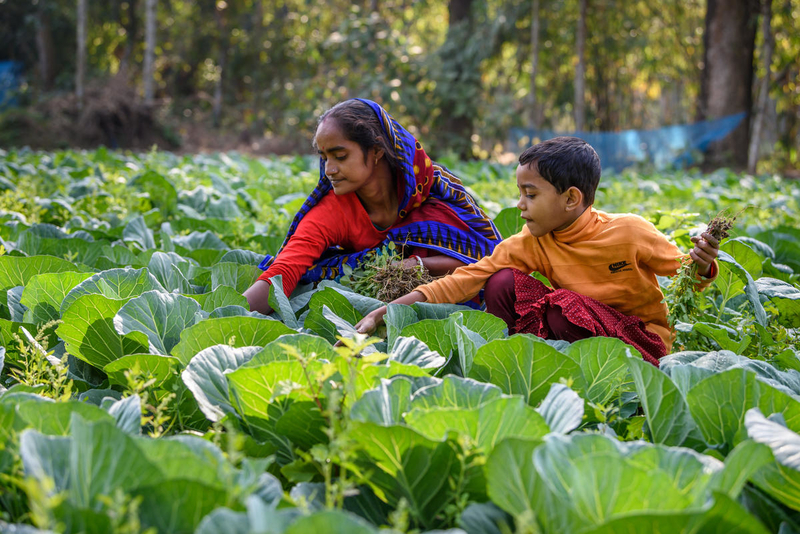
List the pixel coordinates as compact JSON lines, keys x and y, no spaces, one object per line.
{"x":423,"y":179}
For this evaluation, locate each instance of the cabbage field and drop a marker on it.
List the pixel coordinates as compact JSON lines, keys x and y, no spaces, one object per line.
{"x":138,"y":393}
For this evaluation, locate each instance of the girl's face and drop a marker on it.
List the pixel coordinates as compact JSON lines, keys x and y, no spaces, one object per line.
{"x":543,"y":207}
{"x":344,"y":160}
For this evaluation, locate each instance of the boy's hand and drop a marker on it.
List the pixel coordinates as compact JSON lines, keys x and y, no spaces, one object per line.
{"x":704,"y":252}
{"x":373,"y":319}
{"x":370,"y":322}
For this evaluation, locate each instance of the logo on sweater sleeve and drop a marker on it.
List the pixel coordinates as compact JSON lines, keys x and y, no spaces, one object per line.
{"x":619,"y":267}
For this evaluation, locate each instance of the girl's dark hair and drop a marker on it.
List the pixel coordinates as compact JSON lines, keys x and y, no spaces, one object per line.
{"x":565,"y":162}
{"x":361,"y":125}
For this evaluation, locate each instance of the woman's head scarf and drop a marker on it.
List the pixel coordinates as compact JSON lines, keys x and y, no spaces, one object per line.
{"x":423,"y":180}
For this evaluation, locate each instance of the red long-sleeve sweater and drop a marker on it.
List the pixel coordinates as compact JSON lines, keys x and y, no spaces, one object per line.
{"x":341,"y":220}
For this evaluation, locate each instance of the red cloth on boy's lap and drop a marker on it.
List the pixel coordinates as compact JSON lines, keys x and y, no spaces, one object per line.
{"x":533,"y":299}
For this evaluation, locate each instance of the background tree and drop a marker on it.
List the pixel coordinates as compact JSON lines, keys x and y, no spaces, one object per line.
{"x":286,"y":61}
{"x":580,"y":68}
{"x":222,"y":54}
{"x":764,"y":87}
{"x":727,"y":79}
{"x":534,"y":111}
{"x":129,"y":21}
{"x":786,"y":85}
{"x":44,"y":45}
{"x":257,"y":79}
{"x":460,"y":81}
{"x":148,"y":72}
{"x":80,"y":71}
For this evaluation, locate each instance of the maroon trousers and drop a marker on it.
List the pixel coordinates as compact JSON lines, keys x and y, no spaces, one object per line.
{"x":529,"y":306}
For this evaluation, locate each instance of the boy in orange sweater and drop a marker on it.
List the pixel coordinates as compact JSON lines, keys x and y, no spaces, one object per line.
{"x":602,"y":266}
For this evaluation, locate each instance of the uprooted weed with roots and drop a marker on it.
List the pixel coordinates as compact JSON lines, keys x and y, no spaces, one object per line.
{"x":385,"y":277}
{"x":680,"y":295}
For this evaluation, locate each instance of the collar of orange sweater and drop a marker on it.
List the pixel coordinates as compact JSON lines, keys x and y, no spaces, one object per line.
{"x":577,"y":231}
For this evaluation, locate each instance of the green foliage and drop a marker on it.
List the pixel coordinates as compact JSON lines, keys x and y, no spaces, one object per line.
{"x":138,"y":394}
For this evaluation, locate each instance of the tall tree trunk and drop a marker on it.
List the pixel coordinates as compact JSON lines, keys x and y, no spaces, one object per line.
{"x":534,"y":115}
{"x":149,"y":50}
{"x":222,"y":43}
{"x":80,"y":71}
{"x":459,"y":11}
{"x":580,"y":70}
{"x":602,"y":92}
{"x":131,"y":31}
{"x":618,"y":103}
{"x":457,"y":124}
{"x":763,"y":91}
{"x":279,"y":55}
{"x":258,"y":32}
{"x":44,"y":46}
{"x":679,"y":114}
{"x":727,"y":77}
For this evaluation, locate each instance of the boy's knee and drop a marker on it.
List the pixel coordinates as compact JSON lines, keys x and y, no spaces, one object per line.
{"x":500,"y":283}
{"x":500,"y":297}
{"x":561,"y":328}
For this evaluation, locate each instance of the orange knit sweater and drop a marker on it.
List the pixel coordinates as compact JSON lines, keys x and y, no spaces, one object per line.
{"x":613,"y":258}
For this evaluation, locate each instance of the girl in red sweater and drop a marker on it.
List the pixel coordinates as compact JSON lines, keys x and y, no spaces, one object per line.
{"x":377,"y":185}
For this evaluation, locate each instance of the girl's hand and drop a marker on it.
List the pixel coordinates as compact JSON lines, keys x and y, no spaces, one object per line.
{"x":257,"y":297}
{"x":705,"y":251}
{"x":408,"y":263}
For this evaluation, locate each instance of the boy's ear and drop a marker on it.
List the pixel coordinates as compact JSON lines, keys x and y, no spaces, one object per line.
{"x":574,"y":197}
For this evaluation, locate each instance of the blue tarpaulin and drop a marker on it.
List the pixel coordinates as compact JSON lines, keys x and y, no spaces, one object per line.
{"x":10,"y":80}
{"x":671,"y":146}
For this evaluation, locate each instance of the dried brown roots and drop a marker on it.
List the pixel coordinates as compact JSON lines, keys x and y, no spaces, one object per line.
{"x":395,"y":280}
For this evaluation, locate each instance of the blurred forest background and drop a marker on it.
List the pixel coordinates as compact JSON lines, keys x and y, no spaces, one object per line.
{"x":253,"y":75}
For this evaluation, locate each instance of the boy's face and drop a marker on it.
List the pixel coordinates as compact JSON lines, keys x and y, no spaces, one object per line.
{"x":543,"y":207}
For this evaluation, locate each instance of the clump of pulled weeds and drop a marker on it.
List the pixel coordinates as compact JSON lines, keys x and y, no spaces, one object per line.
{"x":395,"y":280}
{"x":681,"y":297}
{"x":384,"y":276}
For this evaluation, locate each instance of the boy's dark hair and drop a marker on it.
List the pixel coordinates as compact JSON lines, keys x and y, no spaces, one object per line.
{"x":361,"y":125}
{"x":565,"y":162}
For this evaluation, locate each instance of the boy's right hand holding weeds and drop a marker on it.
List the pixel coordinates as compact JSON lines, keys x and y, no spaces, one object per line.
{"x":705,"y":251}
